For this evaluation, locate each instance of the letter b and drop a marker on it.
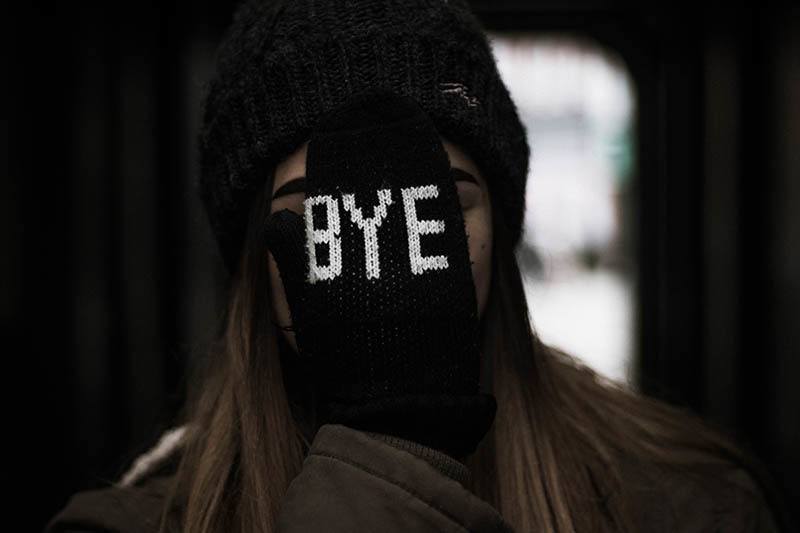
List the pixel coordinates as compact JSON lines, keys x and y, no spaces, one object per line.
{"x":330,"y":236}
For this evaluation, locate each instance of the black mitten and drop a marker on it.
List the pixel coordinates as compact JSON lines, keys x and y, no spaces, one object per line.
{"x":378,"y":279}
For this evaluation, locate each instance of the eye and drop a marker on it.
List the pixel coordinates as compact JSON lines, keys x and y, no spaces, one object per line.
{"x":292,"y":202}
{"x":290,"y":196}
{"x":469,"y":190}
{"x":469,"y":195}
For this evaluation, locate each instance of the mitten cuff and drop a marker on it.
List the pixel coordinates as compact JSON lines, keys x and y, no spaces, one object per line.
{"x":452,"y":424}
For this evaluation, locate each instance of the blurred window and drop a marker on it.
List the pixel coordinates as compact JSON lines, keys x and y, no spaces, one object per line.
{"x":578,"y":256}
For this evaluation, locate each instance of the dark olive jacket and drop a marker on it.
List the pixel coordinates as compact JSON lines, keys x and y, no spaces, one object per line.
{"x":353,"y":481}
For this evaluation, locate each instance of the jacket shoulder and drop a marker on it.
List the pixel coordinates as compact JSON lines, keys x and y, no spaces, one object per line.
{"x":134,"y":503}
{"x":114,"y":508}
{"x":713,"y":496}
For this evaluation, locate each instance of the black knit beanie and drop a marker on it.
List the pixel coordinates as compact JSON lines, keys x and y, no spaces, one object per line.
{"x":284,"y":63}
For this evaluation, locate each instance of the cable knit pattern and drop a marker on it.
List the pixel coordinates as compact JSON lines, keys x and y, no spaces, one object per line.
{"x":282,"y":64}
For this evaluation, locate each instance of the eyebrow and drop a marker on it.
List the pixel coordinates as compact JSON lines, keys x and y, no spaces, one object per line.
{"x":298,"y":184}
{"x":292,"y":186}
{"x":462,"y":175}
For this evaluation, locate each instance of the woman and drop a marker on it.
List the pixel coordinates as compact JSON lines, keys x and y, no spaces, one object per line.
{"x":377,"y":369}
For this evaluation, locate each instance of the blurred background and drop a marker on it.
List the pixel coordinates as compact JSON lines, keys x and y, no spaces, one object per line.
{"x":662,"y":235}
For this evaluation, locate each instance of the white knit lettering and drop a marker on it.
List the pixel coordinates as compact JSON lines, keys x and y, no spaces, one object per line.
{"x":330,"y":235}
{"x":416,"y":227}
{"x":370,"y":228}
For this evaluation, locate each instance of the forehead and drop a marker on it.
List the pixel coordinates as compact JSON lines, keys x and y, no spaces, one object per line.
{"x":295,"y":165}
{"x":291,"y":167}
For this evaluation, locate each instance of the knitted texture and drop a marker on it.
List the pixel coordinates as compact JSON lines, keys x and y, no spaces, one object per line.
{"x":378,"y":278}
{"x":283,"y":64}
{"x":449,"y":466}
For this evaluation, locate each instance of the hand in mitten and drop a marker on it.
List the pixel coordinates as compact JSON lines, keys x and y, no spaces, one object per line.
{"x":378,"y":279}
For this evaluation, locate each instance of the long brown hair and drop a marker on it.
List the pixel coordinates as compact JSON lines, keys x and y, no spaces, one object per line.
{"x":552,"y":461}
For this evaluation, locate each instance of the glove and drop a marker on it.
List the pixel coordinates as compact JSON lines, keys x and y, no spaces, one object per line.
{"x":378,"y":279}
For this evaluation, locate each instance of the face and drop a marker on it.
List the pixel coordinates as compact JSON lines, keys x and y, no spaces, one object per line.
{"x":473,"y":195}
